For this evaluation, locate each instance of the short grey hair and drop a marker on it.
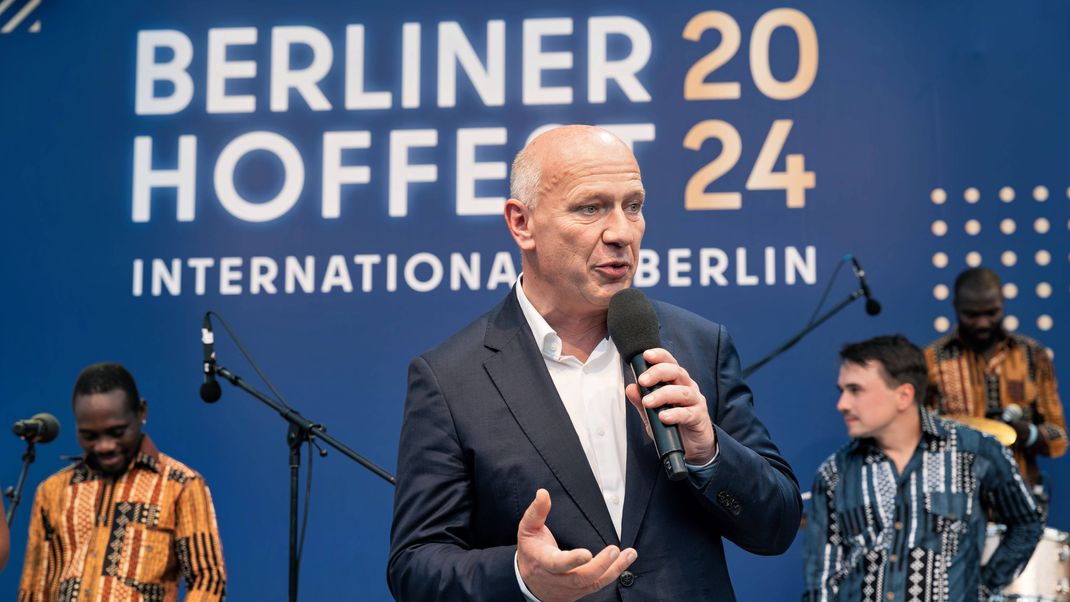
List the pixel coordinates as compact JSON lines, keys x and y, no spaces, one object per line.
{"x":525,"y":177}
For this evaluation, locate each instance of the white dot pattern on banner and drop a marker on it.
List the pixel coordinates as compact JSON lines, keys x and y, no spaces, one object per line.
{"x":1008,"y":258}
{"x":973,"y":227}
{"x":1042,"y":258}
{"x":1043,"y":290}
{"x":1006,"y":194}
{"x":941,"y":324}
{"x":940,"y":292}
{"x":1042,"y":225}
{"x":1044,"y":322}
{"x":1040,"y":193}
{"x":940,"y":260}
{"x":1007,"y":226}
{"x":972,"y":195}
{"x":1010,"y":290}
{"x":973,"y":259}
{"x":939,"y":227}
{"x":939,"y":196}
{"x":1010,"y":323}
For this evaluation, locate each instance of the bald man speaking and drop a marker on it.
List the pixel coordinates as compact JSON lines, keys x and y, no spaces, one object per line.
{"x":523,"y":473}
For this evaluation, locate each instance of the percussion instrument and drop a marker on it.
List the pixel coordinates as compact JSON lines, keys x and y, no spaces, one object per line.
{"x":1046,"y":578}
{"x":1000,"y":430}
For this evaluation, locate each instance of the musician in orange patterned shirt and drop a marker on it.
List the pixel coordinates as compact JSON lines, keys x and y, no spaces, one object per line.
{"x":982,"y":370}
{"x":127,"y":522}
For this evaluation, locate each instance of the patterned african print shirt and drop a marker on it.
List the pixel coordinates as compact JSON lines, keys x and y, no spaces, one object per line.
{"x":99,"y":539}
{"x":875,"y":535}
{"x":1018,"y":371}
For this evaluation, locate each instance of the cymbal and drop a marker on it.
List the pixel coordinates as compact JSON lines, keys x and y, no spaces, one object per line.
{"x":1001,"y":431}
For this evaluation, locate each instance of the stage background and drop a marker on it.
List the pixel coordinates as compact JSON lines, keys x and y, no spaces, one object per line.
{"x":921,"y":132}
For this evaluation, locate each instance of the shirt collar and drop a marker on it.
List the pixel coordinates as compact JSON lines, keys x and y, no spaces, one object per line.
{"x":545,"y":337}
{"x":147,"y":457}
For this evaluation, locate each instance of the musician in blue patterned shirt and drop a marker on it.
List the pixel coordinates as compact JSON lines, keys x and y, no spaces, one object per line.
{"x":899,"y":513}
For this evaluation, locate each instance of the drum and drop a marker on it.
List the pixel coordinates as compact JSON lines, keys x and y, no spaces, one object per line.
{"x":1046,"y":578}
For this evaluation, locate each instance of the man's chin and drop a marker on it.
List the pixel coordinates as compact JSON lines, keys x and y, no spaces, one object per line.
{"x":111,"y":469}
{"x":982,"y":340}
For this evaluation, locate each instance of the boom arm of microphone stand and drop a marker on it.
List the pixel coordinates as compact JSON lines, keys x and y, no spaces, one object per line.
{"x":302,"y":423}
{"x":802,"y":333}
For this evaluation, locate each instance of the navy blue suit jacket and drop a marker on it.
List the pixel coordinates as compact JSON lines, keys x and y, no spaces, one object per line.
{"x":484,"y":428}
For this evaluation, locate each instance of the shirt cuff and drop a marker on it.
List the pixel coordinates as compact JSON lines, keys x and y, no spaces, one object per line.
{"x":700,"y":475}
{"x":530,"y":597}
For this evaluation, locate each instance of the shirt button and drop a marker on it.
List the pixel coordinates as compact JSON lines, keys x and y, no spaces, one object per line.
{"x":893,"y":558}
{"x":601,"y":432}
{"x":614,"y":500}
{"x":898,"y":527}
{"x":890,"y":595}
{"x":626,"y":579}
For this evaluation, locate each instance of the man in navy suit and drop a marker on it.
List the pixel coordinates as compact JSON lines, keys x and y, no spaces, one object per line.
{"x":527,"y":405}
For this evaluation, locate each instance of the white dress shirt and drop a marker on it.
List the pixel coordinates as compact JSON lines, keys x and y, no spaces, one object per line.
{"x":593,"y":395}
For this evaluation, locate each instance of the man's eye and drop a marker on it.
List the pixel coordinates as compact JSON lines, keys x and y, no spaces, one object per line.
{"x":588,"y":209}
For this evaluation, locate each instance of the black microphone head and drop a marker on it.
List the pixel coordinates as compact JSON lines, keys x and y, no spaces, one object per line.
{"x":49,"y":428}
{"x":211,"y":391}
{"x":873,"y":307}
{"x":632,"y":322}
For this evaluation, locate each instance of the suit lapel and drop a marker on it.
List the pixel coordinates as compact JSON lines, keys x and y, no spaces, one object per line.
{"x":643,"y":465}
{"x":519,"y":373}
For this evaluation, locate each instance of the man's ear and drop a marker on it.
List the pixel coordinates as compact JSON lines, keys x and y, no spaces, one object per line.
{"x":143,"y":410}
{"x":518,"y":219}
{"x":904,"y":396}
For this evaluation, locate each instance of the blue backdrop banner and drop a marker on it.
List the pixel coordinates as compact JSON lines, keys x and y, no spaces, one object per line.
{"x":330,"y":177}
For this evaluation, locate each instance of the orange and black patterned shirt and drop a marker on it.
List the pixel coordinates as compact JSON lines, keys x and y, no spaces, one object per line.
{"x":1018,"y":370}
{"x":95,"y":538}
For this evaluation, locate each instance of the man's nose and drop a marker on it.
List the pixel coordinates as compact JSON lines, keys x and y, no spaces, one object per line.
{"x":841,"y":404}
{"x":105,"y":446}
{"x":619,"y":230}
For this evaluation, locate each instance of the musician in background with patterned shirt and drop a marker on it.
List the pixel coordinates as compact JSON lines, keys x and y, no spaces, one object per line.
{"x":127,"y":522}
{"x":899,"y":513}
{"x":980,"y":369}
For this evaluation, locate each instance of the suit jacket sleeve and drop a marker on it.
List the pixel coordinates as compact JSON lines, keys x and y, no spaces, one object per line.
{"x":752,"y":492}
{"x":431,"y":552}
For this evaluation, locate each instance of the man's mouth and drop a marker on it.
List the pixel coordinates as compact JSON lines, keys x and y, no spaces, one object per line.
{"x":614,"y":269}
{"x":109,"y":461}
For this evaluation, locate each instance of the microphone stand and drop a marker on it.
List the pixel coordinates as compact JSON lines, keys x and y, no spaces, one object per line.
{"x":301,"y":431}
{"x":802,"y":333}
{"x":15,"y":493}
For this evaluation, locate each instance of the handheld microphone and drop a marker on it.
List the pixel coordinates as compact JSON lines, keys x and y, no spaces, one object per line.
{"x":633,"y":325}
{"x":1012,"y":413}
{"x":210,"y":389}
{"x":42,"y":428}
{"x":873,"y":307}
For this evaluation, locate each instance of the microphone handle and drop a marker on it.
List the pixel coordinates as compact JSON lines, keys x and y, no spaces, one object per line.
{"x":666,"y":437}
